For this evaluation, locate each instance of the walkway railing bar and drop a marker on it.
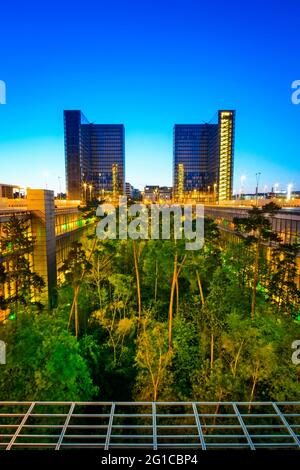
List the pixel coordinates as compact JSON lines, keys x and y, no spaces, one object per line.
{"x":20,"y":426}
{"x":160,"y":425}
{"x":239,"y":417}
{"x":154,"y":425}
{"x":199,"y":427}
{"x":283,"y":419}
{"x":109,"y":428}
{"x":65,"y":426}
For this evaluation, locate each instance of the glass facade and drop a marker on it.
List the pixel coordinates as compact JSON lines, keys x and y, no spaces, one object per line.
{"x":95,"y":157}
{"x":203,"y":157}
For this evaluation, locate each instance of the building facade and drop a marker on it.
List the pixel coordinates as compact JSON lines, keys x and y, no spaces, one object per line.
{"x":203,"y":159}
{"x":54,"y":225}
{"x":94,"y":156}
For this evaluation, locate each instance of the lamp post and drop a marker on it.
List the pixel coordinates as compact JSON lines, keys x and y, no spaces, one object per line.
{"x":90,"y":188}
{"x":289,"y":192}
{"x":243,"y":177}
{"x":257,"y":176}
{"x":59,"y":186}
{"x":84,"y":185}
{"x":46,"y":174}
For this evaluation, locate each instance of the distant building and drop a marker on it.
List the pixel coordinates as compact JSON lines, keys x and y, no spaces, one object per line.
{"x":151,"y":193}
{"x":8,"y":190}
{"x":95,"y":157}
{"x":132,"y":193}
{"x":136,"y":194}
{"x":128,"y":190}
{"x":165,"y":193}
{"x":203,"y":158}
{"x":158,"y":193}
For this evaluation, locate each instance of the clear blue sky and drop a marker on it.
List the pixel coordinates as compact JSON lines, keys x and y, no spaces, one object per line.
{"x":149,"y":65}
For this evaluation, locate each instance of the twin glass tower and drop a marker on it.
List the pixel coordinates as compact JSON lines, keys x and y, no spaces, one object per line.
{"x":95,"y":158}
{"x":202,"y":159}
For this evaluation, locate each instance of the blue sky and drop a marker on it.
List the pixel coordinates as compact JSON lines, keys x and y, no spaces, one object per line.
{"x":149,"y":65}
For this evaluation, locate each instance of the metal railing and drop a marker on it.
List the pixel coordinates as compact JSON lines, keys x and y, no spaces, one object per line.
{"x":161,"y":425}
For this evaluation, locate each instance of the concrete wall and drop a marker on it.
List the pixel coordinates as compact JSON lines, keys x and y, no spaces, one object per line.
{"x":40,"y":202}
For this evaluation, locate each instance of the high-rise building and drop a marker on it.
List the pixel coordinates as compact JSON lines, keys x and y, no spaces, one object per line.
{"x":203,"y":159}
{"x":95,"y":157}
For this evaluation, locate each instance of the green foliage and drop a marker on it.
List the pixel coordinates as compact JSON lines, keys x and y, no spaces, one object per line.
{"x":153,"y":359}
{"x":217,"y":352}
{"x":43,"y":361}
{"x":25,"y":286}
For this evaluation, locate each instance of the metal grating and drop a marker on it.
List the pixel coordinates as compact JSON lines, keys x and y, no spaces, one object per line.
{"x":161,"y":425}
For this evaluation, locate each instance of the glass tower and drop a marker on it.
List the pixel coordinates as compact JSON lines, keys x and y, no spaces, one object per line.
{"x":203,"y":158}
{"x":95,"y":157}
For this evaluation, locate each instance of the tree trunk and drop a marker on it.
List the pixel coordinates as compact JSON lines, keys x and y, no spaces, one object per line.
{"x":176,"y":274}
{"x":137,"y":274}
{"x":255,"y":278}
{"x":172,"y":299}
{"x":177,"y":296}
{"x":237,"y":358}
{"x":212,"y":345}
{"x":200,"y":287}
{"x":156,"y":280}
{"x":253,"y":387}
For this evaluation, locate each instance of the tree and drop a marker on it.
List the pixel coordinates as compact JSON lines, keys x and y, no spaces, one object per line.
{"x":153,"y":359}
{"x":74,"y":268}
{"x":282,"y":287}
{"x":176,"y":272}
{"x":24,"y":285}
{"x":101,"y":266}
{"x":43,"y":362}
{"x":256,"y":229}
{"x":137,"y":276}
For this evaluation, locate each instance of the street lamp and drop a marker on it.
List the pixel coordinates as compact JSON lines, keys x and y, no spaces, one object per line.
{"x":45,"y":175}
{"x":90,"y":188}
{"x":289,"y":191}
{"x":257,"y":176}
{"x":243,"y":177}
{"x":59,"y":186}
{"x":84,"y":185}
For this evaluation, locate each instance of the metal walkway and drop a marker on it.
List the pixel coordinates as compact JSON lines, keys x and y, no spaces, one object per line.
{"x":161,"y":425}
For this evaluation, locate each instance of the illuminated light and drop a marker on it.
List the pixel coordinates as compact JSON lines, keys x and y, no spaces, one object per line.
{"x":180,"y":186}
{"x":226,"y":120}
{"x":64,"y":226}
{"x":12,"y":316}
{"x":115,"y":183}
{"x":289,"y":191}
